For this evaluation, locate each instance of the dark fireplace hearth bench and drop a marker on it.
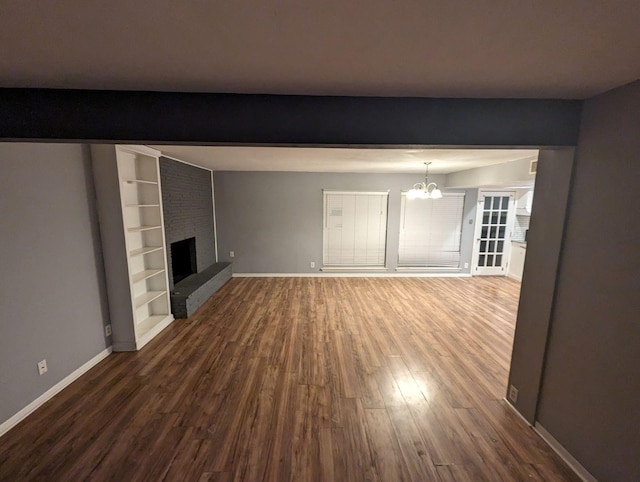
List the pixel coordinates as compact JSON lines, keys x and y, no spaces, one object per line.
{"x":190,"y":293}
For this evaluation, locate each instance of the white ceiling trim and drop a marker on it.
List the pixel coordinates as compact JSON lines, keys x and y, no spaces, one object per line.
{"x":330,"y":159}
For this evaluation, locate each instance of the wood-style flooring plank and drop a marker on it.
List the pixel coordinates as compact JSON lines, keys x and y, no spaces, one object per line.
{"x":301,"y":379}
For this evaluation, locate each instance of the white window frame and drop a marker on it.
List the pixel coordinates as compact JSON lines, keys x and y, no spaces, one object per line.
{"x":424,"y":248}
{"x":363,"y":255}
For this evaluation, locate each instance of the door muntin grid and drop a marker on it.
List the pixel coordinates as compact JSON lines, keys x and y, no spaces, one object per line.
{"x":493,"y":231}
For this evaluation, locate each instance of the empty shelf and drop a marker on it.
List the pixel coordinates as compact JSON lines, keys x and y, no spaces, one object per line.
{"x":145,"y":250}
{"x":136,"y":229}
{"x":139,"y":181}
{"x":148,"y":297}
{"x":148,"y":273}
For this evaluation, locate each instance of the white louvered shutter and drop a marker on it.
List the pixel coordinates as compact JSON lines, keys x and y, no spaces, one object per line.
{"x":355,"y":228}
{"x":430,"y":231}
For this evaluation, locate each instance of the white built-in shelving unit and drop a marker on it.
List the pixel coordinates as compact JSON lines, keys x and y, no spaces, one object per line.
{"x":129,"y":198}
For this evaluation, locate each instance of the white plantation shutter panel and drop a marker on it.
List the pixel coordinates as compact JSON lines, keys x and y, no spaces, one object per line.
{"x":430,"y":231}
{"x":355,"y":228}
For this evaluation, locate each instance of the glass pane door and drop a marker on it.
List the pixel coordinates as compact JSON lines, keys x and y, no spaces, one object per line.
{"x":493,"y":232}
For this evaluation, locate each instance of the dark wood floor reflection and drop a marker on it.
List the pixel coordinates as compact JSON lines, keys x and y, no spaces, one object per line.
{"x":299,"y":379}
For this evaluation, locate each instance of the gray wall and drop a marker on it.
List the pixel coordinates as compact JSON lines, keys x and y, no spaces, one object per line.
{"x":546,"y":230}
{"x":591,"y":383}
{"x":187,"y":203}
{"x":273,"y":220}
{"x":51,"y":290}
{"x":497,"y":175}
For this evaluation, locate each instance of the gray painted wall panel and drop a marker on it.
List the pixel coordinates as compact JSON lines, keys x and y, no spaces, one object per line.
{"x":112,"y":233}
{"x":273,"y":220}
{"x":539,"y":278}
{"x":187,"y":204}
{"x":591,"y":384}
{"x":52,"y":290}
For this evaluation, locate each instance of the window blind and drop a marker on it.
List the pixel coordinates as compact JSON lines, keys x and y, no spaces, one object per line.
{"x":430,"y":231}
{"x":355,"y":228}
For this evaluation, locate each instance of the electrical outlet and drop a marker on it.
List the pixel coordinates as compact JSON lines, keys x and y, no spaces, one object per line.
{"x":232,"y":254}
{"x":42,"y":367}
{"x":312,"y":264}
{"x":107,"y":330}
{"x":466,"y":265}
{"x":513,"y":394}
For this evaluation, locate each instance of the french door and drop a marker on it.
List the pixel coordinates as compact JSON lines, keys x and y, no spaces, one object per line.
{"x":496,"y":211}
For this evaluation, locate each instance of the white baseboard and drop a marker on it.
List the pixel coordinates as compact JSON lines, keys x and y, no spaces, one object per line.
{"x":557,"y":447}
{"x":512,"y":276}
{"x":564,"y":454}
{"x":343,"y":274}
{"x":515,"y":410}
{"x":53,"y":391}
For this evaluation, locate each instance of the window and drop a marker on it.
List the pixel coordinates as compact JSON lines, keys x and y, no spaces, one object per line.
{"x":430,"y":231}
{"x":355,"y":228}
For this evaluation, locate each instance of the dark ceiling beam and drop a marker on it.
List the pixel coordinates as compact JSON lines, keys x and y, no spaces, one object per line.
{"x":198,"y":118}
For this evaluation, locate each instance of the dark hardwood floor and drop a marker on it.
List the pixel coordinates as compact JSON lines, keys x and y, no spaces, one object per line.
{"x":299,"y":379}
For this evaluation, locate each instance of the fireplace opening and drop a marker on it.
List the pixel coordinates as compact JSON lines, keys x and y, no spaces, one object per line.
{"x":183,"y":259}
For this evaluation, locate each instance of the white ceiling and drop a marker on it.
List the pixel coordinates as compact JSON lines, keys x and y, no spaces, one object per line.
{"x":455,"y":48}
{"x":329,"y":159}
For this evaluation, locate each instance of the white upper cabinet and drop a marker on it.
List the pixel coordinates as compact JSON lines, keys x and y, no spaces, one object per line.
{"x":524,"y":203}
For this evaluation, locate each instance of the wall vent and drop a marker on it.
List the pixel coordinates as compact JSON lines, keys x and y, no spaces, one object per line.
{"x":533,"y":166}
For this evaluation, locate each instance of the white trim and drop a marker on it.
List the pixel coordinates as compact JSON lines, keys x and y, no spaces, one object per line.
{"x":139,"y":149}
{"x":184,"y":162}
{"x":515,"y":410}
{"x":215,"y":224}
{"x":556,"y":446}
{"x":53,"y":391}
{"x":564,"y":454}
{"x":512,"y":276}
{"x":351,"y":275}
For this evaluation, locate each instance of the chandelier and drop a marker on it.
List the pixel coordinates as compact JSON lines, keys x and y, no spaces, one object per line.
{"x":425,"y":189}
